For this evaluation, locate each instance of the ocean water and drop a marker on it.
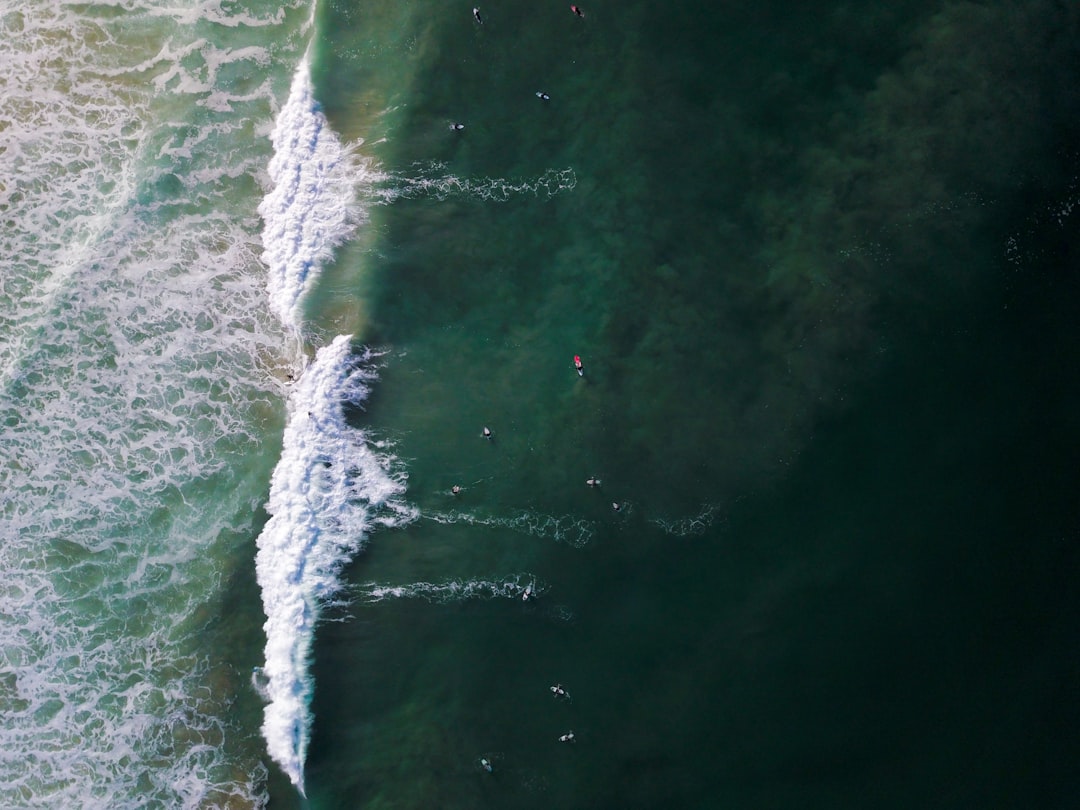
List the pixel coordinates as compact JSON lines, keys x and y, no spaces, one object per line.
{"x":260,"y":300}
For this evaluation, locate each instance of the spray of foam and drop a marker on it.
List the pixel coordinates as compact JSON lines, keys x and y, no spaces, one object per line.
{"x":432,"y":180}
{"x":330,"y":488}
{"x":310,"y":209}
{"x":692,"y":526}
{"x":522,"y":587}
{"x":568,"y":529}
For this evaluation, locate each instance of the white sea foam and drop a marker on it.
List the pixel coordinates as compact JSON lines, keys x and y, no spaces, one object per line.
{"x":311,"y":208}
{"x":512,"y":588}
{"x":692,"y":526}
{"x":432,"y":180}
{"x":331,"y":487}
{"x":138,"y":375}
{"x":456,"y":590}
{"x":568,"y":529}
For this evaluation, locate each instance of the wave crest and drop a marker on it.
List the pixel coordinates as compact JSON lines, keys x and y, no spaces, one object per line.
{"x":329,"y":489}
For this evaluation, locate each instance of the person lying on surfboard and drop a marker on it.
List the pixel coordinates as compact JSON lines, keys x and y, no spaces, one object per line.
{"x":579,"y":365}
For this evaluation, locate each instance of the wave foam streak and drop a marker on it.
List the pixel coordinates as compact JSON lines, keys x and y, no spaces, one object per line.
{"x":509,"y":587}
{"x":693,"y":526}
{"x":330,"y":488}
{"x":568,"y":529}
{"x":432,"y":181}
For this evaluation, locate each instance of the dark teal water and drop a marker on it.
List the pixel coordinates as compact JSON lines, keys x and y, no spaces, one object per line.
{"x":820,"y":265}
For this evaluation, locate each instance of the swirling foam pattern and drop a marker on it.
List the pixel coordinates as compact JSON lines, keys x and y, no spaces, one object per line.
{"x":137,"y":382}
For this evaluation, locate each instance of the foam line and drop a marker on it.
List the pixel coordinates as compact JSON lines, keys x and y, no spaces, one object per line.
{"x":568,"y":529}
{"x":329,"y":489}
{"x":511,"y":587}
{"x":689,"y":526}
{"x":433,"y":181}
{"x":310,"y":209}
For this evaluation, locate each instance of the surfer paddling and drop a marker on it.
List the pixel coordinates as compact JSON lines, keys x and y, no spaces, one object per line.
{"x":592,"y":482}
{"x":567,"y":737}
{"x":579,"y":365}
{"x":487,"y":432}
{"x":485,"y":763}
{"x":558,"y":691}
{"x":528,"y":594}
{"x":577,"y":10}
{"x":476,"y":16}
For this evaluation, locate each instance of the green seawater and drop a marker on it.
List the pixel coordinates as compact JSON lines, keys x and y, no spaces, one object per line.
{"x":820,"y":265}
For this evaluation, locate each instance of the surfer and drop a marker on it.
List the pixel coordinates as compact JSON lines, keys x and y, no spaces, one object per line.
{"x":455,"y":490}
{"x":485,"y":763}
{"x":579,"y":365}
{"x":592,"y":482}
{"x":476,"y":16}
{"x":457,"y":127}
{"x":577,"y":10}
{"x":558,"y":690}
{"x":542,"y":96}
{"x":567,"y":737}
{"x":487,"y":432}
{"x":527,"y":595}
{"x":615,"y":505}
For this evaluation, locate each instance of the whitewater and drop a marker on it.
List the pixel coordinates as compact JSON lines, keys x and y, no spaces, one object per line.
{"x":142,"y":382}
{"x":333,"y":483}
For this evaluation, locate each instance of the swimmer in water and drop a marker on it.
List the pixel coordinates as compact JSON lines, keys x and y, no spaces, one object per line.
{"x":542,"y":96}
{"x":476,"y":15}
{"x":567,"y":737}
{"x":616,"y":506}
{"x":579,"y":365}
{"x":592,"y":482}
{"x":485,"y":763}
{"x":487,"y":432}
{"x":455,"y":490}
{"x":577,"y":10}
